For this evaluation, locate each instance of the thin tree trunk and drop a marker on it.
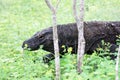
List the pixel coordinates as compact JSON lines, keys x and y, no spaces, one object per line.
{"x":117,"y":64}
{"x":56,"y":47}
{"x":81,"y":40}
{"x":55,"y":38}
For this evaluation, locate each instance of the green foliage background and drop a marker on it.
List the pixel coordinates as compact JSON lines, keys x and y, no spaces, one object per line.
{"x":20,"y":19}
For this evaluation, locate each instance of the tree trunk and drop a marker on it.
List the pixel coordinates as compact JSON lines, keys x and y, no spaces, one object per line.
{"x":55,"y":38}
{"x":80,"y":26}
{"x":117,"y":64}
{"x":56,"y":48}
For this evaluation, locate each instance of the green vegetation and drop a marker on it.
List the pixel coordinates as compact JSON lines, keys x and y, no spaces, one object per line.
{"x":20,"y":19}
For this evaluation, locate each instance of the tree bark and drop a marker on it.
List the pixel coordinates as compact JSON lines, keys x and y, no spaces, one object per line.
{"x":117,"y":64}
{"x":55,"y":38}
{"x":80,"y":25}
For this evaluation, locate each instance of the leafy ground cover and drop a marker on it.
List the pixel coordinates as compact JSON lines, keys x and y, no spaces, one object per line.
{"x":19,"y":19}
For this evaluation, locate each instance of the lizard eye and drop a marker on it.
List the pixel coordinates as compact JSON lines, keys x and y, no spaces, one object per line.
{"x":41,"y":36}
